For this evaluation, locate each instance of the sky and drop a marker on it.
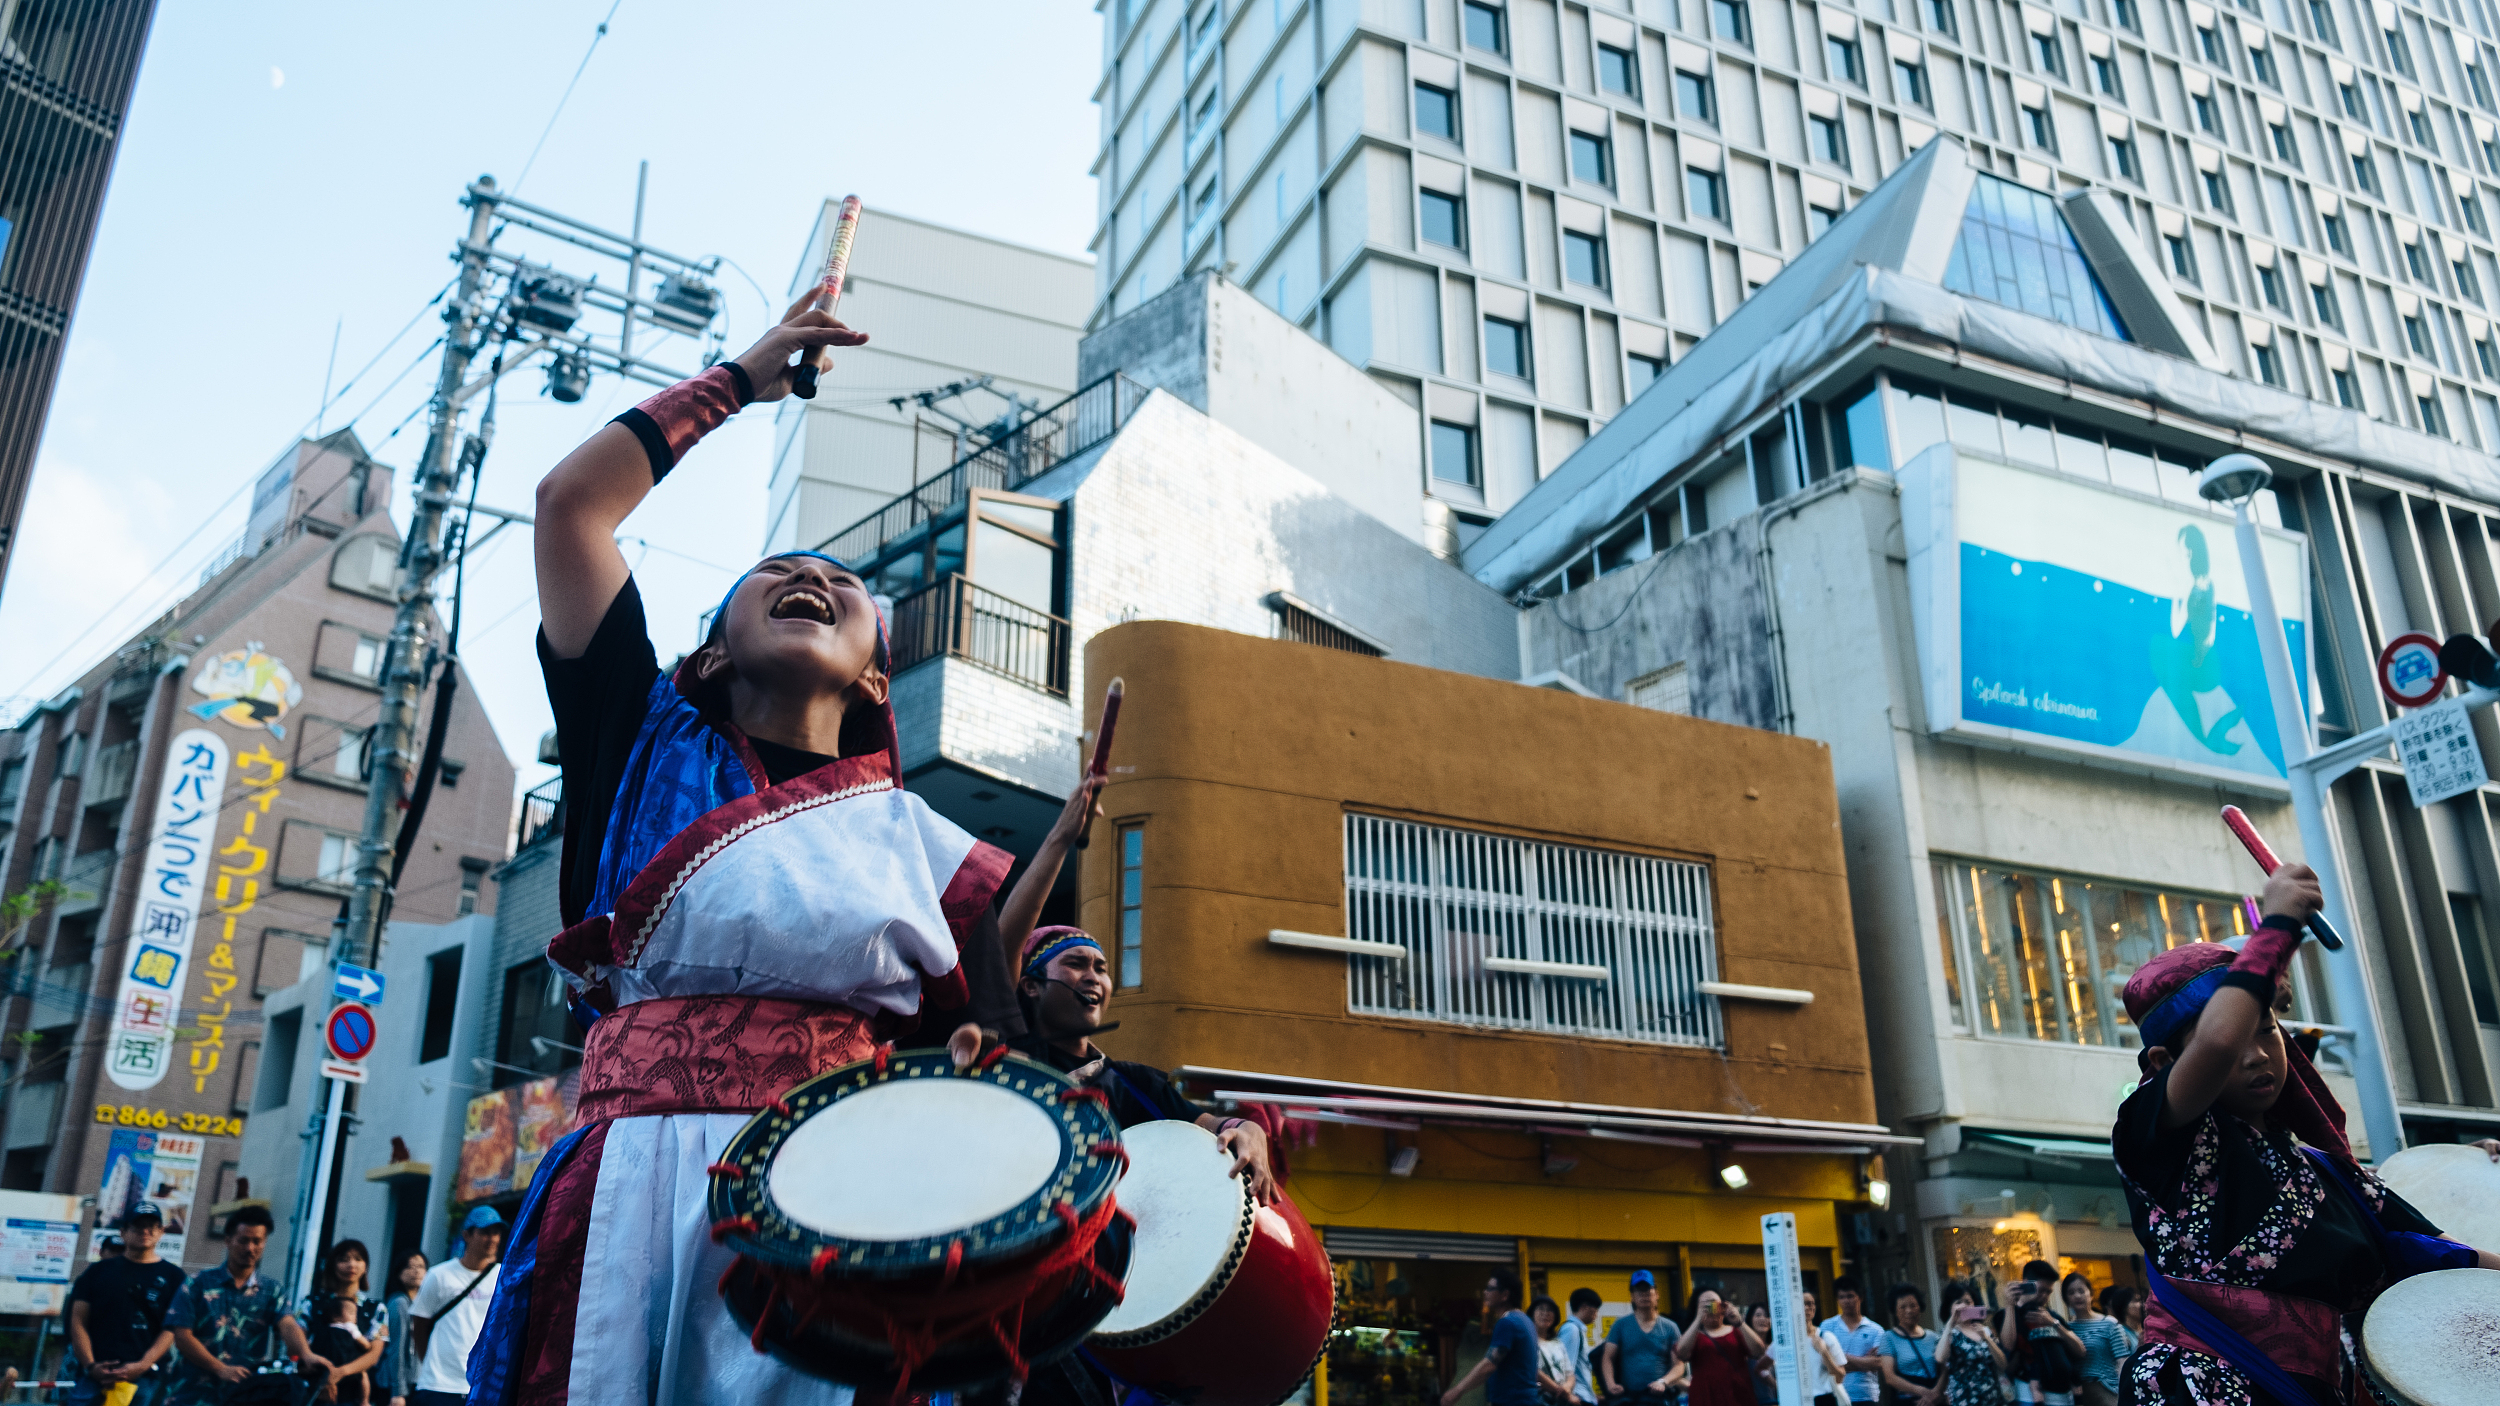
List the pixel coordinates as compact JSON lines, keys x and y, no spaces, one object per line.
{"x":291,"y":172}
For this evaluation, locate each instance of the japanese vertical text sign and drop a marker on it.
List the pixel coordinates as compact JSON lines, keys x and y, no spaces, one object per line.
{"x":242,"y":866}
{"x":171,"y":889}
{"x":1785,"y":1282}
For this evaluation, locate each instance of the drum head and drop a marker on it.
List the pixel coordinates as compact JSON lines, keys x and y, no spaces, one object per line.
{"x":2456,"y":1186}
{"x":2434,"y":1339}
{"x":893,"y":1170}
{"x":1193,"y":1223}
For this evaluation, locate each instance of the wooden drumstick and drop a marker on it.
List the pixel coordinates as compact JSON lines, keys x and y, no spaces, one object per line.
{"x":2263,"y":853}
{"x":1101,"y":764}
{"x":828,"y":294}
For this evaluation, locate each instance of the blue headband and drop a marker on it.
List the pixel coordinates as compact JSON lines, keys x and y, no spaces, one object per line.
{"x":1033,"y":967}
{"x":2180,"y":1008}
{"x":720,"y":616}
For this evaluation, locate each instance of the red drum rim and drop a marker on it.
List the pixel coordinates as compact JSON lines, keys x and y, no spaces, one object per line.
{"x":746,"y":1217}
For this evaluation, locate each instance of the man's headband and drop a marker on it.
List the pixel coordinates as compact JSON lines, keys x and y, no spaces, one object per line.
{"x":2178,"y":1010}
{"x":1049,"y":943}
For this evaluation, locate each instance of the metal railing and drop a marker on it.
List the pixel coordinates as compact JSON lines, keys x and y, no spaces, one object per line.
{"x":87,"y":877}
{"x":542,"y":812}
{"x":1050,"y":438}
{"x":1518,"y":934}
{"x":953,"y":618}
{"x":108,"y":776}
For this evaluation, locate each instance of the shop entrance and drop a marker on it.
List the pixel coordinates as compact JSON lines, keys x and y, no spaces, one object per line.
{"x":1404,"y":1328}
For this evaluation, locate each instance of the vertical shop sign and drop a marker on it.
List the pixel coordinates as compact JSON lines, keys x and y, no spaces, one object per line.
{"x":139,"y":1046}
{"x":241,"y":865}
{"x":1785,"y":1282}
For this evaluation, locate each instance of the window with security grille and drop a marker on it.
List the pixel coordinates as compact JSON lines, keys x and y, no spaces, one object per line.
{"x":1524,"y":935}
{"x":1301,"y":626}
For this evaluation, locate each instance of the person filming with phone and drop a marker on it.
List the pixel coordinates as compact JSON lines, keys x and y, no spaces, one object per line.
{"x":2044,"y":1350}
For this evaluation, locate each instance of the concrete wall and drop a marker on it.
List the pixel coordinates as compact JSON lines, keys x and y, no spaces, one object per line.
{"x":1226,"y":353}
{"x":1248,"y":753}
{"x":939,"y":305}
{"x":1701,"y":605}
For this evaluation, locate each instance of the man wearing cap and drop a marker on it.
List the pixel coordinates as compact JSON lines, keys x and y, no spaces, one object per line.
{"x":1640,"y":1350}
{"x":450,"y":1308}
{"x":230,"y":1319}
{"x":117,"y":1314}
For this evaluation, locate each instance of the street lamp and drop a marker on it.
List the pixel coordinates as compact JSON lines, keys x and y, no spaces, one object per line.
{"x":2235,"y":480}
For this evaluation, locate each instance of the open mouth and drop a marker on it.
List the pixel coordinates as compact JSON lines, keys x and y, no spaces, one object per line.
{"x":803,"y":603}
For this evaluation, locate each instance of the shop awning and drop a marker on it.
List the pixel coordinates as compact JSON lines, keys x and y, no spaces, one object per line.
{"x":2064,"y":1149}
{"x":1374,"y":1105}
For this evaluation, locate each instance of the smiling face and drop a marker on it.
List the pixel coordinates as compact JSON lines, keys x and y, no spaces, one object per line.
{"x":797,"y":625}
{"x":1073,"y":992}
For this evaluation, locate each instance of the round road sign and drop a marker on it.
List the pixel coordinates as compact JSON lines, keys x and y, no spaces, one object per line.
{"x":349,"y":1030}
{"x":2409,"y":671}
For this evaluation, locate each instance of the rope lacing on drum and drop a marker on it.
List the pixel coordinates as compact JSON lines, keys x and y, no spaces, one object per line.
{"x":881,"y":1056}
{"x":734,"y":1225}
{"x":1086,"y":1092}
{"x":823,"y":1260}
{"x":1109,"y":1148}
{"x":989,"y":1061}
{"x":730,"y":1170}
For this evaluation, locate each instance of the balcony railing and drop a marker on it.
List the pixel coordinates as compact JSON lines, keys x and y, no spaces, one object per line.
{"x":108,"y":778}
{"x":1051,"y":437}
{"x":86,"y":877}
{"x":954,"y":618}
{"x":542,"y":812}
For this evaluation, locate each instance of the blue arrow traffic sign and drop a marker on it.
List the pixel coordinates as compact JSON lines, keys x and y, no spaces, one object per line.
{"x":356,"y":984}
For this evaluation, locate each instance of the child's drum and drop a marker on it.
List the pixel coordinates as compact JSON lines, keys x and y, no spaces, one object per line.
{"x":1228,"y":1302}
{"x":2434,"y":1340}
{"x":2456,"y":1186}
{"x":904,"y":1226}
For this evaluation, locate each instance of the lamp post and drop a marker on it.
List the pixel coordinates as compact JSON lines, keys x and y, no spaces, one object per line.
{"x":2236,"y":479}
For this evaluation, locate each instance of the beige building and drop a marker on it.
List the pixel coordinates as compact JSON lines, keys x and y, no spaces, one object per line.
{"x":942,"y":306}
{"x":133,"y":998}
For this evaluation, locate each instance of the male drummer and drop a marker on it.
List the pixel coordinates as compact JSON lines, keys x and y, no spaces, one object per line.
{"x":1063,"y":989}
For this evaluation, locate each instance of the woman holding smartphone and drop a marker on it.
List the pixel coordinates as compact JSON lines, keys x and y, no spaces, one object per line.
{"x":1969,"y":1356}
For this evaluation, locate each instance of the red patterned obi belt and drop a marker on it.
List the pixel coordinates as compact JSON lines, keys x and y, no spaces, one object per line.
{"x":2302,"y":1336}
{"x":713,"y":1054}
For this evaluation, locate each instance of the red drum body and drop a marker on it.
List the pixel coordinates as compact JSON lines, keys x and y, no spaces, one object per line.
{"x":1227,"y":1302}
{"x":903,"y":1227}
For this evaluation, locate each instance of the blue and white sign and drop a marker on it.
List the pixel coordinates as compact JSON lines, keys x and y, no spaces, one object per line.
{"x":2057,"y":613}
{"x":354,"y":983}
{"x":172,"y":888}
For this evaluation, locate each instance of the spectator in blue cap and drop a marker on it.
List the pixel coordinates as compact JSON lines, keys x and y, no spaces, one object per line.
{"x":1638,"y":1362}
{"x":450,"y":1310}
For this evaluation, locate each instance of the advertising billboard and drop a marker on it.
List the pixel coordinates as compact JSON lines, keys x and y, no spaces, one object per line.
{"x":2054,"y":613}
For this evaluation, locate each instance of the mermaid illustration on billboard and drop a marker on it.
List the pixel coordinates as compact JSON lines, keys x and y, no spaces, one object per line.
{"x":2185,"y":662}
{"x":247,"y":687}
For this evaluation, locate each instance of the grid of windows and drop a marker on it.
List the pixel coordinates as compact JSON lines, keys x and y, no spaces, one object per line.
{"x":2015,"y":249}
{"x":1519,"y":934}
{"x":2045,"y":956}
{"x":2332,"y":149}
{"x":1132,"y":905}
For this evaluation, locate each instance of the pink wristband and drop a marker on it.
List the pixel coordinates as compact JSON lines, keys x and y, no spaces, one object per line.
{"x":672,"y":422}
{"x":2268,"y":951}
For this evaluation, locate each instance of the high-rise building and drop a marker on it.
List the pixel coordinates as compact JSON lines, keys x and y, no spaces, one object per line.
{"x":943,"y":308}
{"x":1518,"y":212}
{"x":66,"y":71}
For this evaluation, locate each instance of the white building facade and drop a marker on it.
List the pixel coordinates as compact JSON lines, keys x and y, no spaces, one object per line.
{"x":943,"y":307}
{"x":1517,"y":212}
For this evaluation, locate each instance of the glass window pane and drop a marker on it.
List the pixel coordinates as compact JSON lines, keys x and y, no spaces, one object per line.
{"x":2131,"y":467}
{"x":2078,"y":986}
{"x":1974,"y":426}
{"x":2079,"y":452}
{"x":1441,"y":218}
{"x":1033,"y":519}
{"x":1453,"y":453}
{"x":2027,"y":440}
{"x":1919,"y":412}
{"x":1867,"y":444}
{"x":2015,"y":250}
{"x":1945,"y":944}
{"x":1015,"y":566}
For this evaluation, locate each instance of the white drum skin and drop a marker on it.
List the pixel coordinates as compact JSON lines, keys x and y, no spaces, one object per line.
{"x":839,"y":1173}
{"x":1193,"y":1218}
{"x":2434,"y":1339}
{"x":2455,"y":1187}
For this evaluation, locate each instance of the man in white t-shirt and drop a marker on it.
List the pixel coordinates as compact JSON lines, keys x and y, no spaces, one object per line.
{"x":450,"y":1309}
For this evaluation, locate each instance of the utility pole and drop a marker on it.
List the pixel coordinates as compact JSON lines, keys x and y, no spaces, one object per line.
{"x":526,"y":308}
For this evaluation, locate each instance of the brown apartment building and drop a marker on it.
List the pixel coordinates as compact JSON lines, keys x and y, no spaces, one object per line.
{"x":198,"y":795}
{"x":66,"y":71}
{"x":1558,"y":984}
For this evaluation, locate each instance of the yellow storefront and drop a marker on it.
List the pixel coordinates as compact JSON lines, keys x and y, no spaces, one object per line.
{"x":1555,"y":984}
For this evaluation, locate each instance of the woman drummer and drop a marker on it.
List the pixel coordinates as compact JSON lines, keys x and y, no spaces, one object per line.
{"x":2242,"y":1184}
{"x":753,"y":899}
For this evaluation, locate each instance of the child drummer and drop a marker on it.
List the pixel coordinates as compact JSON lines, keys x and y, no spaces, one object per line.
{"x":754,"y":899}
{"x":2244,"y":1191}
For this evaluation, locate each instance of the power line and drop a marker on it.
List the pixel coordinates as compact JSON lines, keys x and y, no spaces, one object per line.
{"x":568,"y":97}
